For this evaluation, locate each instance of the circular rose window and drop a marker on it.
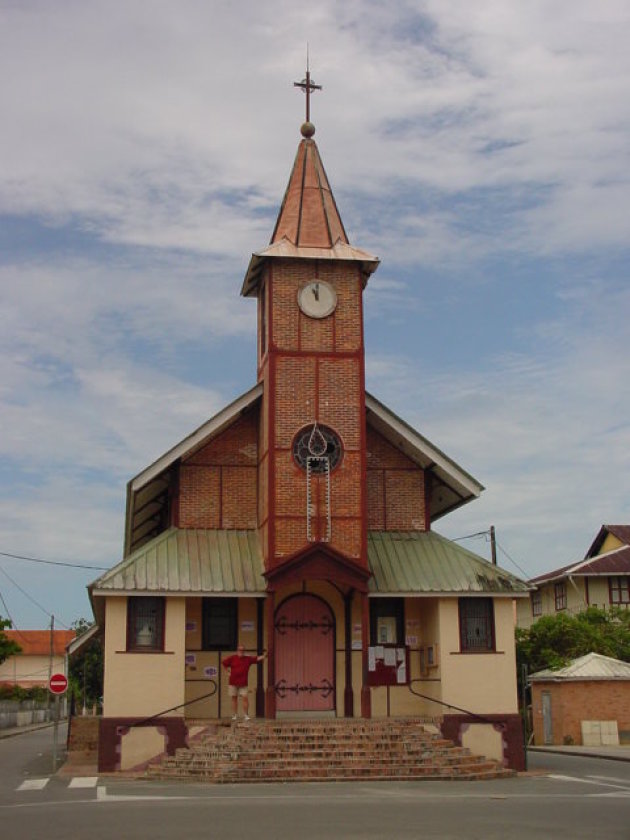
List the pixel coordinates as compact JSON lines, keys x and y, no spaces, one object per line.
{"x":316,"y":446}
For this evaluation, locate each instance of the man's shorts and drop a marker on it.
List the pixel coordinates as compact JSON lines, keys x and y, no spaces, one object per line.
{"x":237,"y":690}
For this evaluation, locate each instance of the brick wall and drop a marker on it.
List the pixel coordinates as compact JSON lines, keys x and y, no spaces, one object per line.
{"x":574,"y":701}
{"x":395,"y":487}
{"x":217,"y":484}
{"x":314,"y":373}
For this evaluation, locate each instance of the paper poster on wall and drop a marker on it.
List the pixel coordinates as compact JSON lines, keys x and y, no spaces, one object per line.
{"x":412,"y":623}
{"x":389,"y":660}
{"x":247,"y":626}
{"x":356,"y":628}
{"x":191,"y":659}
{"x":210,"y":671}
{"x":401,"y":673}
{"x":357,"y":644}
{"x":191,"y":626}
{"x":400,"y":654}
{"x":411,"y":641}
{"x":371,"y":659}
{"x":379,"y":652}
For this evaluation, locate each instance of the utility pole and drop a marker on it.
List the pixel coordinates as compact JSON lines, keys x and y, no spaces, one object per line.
{"x":493,"y":545}
{"x":52,"y":653}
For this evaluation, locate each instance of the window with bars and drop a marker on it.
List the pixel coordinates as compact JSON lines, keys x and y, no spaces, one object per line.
{"x":145,"y":624}
{"x":476,"y":625}
{"x":387,"y":621}
{"x":219,"y":623}
{"x":536,"y":603}
{"x":560,"y":595}
{"x":619,"y":590}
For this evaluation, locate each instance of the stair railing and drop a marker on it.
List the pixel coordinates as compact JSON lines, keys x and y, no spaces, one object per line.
{"x":179,"y":706}
{"x":451,"y":706}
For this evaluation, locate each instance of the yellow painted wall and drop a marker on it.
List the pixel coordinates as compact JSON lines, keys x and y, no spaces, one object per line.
{"x":479,"y":682}
{"x":576,"y":601}
{"x":143,"y":684}
{"x":598,"y":592}
{"x":610,"y":542}
{"x":33,"y":669}
{"x":203,"y":666}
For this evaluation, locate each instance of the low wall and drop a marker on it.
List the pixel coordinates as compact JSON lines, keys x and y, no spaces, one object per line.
{"x":24,"y":713}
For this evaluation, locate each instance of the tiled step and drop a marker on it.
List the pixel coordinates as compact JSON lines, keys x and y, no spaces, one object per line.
{"x":285,"y":751}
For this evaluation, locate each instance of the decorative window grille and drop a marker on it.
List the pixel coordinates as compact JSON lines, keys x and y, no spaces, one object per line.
{"x":318,"y":442}
{"x":476,"y":624}
{"x":619,"y":590}
{"x":145,"y":624}
{"x":537,"y":603}
{"x":560,"y":595}
{"x":317,"y":450}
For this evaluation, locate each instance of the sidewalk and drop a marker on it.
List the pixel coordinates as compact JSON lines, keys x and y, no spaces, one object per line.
{"x":621,"y":753}
{"x":12,"y":731}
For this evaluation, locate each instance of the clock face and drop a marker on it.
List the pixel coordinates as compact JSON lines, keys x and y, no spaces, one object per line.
{"x":317,"y":299}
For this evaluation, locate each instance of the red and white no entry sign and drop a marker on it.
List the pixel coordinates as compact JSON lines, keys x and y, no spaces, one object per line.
{"x":58,"y":683}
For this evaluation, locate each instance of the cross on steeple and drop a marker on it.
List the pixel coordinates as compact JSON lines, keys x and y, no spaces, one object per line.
{"x":307,"y":86}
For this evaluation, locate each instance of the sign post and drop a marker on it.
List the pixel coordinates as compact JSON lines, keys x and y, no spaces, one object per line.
{"x":57,"y":685}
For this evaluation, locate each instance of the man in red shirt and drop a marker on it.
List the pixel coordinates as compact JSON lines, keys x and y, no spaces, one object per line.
{"x":239,"y":665}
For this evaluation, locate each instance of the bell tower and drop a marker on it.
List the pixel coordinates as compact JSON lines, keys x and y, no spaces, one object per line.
{"x":309,"y":285}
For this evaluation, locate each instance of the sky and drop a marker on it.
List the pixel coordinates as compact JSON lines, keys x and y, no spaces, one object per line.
{"x":480,"y":149}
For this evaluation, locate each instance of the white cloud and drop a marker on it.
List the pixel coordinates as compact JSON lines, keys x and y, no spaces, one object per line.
{"x":480,"y":149}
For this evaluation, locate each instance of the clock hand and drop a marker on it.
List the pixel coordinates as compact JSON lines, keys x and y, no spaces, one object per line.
{"x":316,"y":291}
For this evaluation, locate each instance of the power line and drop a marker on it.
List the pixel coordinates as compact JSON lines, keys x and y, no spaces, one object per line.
{"x":53,"y":562}
{"x":30,"y":598}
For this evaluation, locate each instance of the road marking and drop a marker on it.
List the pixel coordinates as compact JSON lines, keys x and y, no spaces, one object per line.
{"x":611,"y":779}
{"x":33,"y":784}
{"x":587,"y":781}
{"x":83,"y":782}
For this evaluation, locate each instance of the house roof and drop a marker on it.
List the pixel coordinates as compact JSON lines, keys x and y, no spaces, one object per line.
{"x":454,"y":486}
{"x":593,"y":666}
{"x":148,"y":492}
{"x":426,"y":563}
{"x":615,"y":562}
{"x":218,"y":562}
{"x":622,"y":532}
{"x":37,"y":642}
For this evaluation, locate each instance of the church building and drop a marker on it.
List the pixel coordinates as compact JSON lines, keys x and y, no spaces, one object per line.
{"x":299,"y":522}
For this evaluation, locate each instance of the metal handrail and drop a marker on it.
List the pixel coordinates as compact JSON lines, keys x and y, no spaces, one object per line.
{"x":451,"y":706}
{"x":180,"y":706}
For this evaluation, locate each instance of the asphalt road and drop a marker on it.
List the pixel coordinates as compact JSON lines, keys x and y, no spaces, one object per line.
{"x":572,"y":797}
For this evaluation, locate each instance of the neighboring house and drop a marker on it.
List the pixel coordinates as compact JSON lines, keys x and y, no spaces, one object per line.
{"x":299,"y":521}
{"x":587,"y":702}
{"x":602,"y":580}
{"x":36,"y":661}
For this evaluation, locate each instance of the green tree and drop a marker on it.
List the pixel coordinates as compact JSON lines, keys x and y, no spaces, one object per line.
{"x":86,"y":667}
{"x":554,"y":640}
{"x":7,"y":646}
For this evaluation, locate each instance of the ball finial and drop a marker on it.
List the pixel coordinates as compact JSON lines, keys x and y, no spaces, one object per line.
{"x":307,"y":129}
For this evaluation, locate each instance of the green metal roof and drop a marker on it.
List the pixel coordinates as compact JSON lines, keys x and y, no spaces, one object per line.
{"x":189,"y":561}
{"x":221,"y":562}
{"x":425,"y":563}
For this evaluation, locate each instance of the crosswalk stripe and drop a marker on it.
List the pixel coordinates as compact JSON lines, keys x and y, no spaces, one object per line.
{"x":83,"y":782}
{"x":33,"y":784}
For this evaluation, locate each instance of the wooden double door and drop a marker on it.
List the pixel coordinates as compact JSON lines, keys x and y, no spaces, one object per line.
{"x":304,"y":644}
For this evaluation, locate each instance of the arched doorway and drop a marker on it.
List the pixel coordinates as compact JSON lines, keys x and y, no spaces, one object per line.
{"x":304,"y":644}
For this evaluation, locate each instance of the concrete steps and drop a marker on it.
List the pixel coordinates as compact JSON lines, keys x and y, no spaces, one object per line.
{"x":331,"y":750}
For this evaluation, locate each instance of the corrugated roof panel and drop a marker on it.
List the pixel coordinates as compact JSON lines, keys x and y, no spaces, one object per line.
{"x":417,"y":562}
{"x":593,"y":666}
{"x":190,"y":560}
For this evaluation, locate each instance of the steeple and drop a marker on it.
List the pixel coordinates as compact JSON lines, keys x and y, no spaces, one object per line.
{"x":309,"y":217}
{"x":308,"y":225}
